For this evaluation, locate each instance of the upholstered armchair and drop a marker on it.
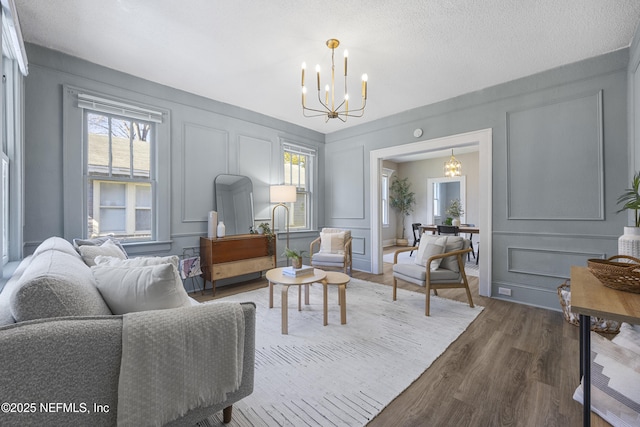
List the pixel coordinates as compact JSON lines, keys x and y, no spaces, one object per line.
{"x":333,"y":249}
{"x":439,"y":264}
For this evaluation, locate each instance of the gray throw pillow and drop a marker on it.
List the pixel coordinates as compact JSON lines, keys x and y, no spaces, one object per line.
{"x":97,"y":241}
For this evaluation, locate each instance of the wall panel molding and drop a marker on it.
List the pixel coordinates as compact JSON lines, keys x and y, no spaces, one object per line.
{"x":358,"y":245}
{"x":345,"y":190}
{"x":557,"y":235}
{"x":204,"y":148}
{"x":544,"y":262}
{"x":556,"y":142}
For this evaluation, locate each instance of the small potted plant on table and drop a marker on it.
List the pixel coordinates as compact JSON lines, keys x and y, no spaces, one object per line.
{"x":455,"y":211}
{"x":294,"y":256}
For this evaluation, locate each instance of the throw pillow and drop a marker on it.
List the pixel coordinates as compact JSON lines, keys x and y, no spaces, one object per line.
{"x":332,"y":243}
{"x":454,"y":243}
{"x":108,"y":248}
{"x":429,"y":246}
{"x":137,"y":262}
{"x":129,"y":289}
{"x":97,"y":241}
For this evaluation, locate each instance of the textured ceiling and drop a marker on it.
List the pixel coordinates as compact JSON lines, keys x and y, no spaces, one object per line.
{"x":248,"y":52}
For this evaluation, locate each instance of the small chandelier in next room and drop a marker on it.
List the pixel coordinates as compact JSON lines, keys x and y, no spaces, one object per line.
{"x":452,"y":167}
{"x":328,"y":107}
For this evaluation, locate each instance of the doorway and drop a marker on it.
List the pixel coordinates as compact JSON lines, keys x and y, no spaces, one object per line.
{"x":481,"y":138}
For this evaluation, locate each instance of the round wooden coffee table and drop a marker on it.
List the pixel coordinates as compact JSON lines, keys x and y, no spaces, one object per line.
{"x":276,"y":276}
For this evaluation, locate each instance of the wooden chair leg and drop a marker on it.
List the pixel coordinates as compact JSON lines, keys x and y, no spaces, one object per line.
{"x":427,"y":299}
{"x":395,"y":285}
{"x":469,"y":296}
{"x":226,"y":414}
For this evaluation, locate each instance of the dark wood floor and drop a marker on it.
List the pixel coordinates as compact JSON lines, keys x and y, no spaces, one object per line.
{"x":514,"y":366}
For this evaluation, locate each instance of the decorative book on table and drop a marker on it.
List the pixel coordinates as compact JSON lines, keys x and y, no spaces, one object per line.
{"x":296,"y":272}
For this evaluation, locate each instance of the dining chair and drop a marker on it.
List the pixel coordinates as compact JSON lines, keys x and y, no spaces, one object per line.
{"x":448,"y":230}
{"x":471,"y":240}
{"x":416,"y":235}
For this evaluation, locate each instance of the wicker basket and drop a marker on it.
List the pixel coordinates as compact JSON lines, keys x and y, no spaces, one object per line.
{"x":622,"y":276}
{"x":597,"y":324}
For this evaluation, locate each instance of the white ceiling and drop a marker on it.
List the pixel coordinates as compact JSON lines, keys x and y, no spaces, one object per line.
{"x":248,"y":52}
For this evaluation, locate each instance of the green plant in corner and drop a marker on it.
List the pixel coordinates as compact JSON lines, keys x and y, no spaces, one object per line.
{"x":630,"y":199}
{"x":402,"y":198}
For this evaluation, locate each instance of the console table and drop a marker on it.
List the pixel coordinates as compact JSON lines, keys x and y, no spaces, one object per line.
{"x":235,"y":255}
{"x":589,"y":297}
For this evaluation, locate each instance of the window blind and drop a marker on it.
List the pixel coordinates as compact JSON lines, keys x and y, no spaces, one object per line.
{"x":110,"y":106}
{"x":296,"y":149}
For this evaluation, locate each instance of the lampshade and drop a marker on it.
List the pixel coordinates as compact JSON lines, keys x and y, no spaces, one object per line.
{"x":282,"y":194}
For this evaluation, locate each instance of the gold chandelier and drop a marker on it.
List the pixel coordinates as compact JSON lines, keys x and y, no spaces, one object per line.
{"x":329,"y":108}
{"x":452,"y":167}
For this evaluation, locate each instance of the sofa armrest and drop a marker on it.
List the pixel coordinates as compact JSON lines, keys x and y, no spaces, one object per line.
{"x":75,"y":361}
{"x":71,"y":360}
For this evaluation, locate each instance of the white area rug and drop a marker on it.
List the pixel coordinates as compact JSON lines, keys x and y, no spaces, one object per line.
{"x":342,"y":375}
{"x":470,"y":267}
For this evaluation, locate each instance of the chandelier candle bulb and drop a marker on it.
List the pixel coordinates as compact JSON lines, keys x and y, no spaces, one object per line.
{"x":364,"y":86}
{"x":326,"y":94}
{"x":346,"y":54}
{"x":304,"y":66}
{"x":318,"y":73}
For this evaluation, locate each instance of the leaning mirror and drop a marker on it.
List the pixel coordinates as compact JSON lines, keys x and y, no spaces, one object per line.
{"x":233,"y":196}
{"x":440,"y":192}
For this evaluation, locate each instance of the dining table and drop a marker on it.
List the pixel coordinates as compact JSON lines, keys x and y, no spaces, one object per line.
{"x":462,"y":229}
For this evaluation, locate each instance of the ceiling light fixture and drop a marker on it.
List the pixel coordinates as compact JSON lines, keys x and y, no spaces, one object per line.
{"x":330,"y":110}
{"x":452,"y":167}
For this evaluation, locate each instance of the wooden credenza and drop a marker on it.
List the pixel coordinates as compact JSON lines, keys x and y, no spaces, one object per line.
{"x":236,"y":255}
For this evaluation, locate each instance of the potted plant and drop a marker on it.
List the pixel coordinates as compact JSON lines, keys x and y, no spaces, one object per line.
{"x":629,"y":242}
{"x":454,"y":210}
{"x":294,"y":256}
{"x":402,"y":198}
{"x":264,"y":228}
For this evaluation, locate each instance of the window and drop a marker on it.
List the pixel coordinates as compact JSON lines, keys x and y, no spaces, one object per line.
{"x":298,"y":171}
{"x":5,"y":207}
{"x":436,"y":201}
{"x":384,"y":199}
{"x":120,"y":187}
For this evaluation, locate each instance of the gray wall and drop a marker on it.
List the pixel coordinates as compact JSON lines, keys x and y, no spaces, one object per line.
{"x":559,"y":162}
{"x":205,"y":138}
{"x":633,"y":97}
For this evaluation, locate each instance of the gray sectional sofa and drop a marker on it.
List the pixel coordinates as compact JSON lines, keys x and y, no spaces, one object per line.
{"x":61,"y":347}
